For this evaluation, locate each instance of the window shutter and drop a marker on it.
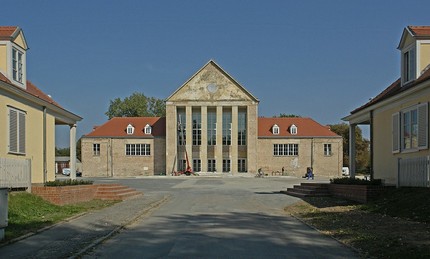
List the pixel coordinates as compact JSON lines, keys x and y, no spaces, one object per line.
{"x":423,"y":126}
{"x":13,"y":130}
{"x":21,"y":132}
{"x":396,"y":132}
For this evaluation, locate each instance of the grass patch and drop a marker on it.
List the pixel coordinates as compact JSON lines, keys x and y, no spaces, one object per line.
{"x":28,"y":213}
{"x":396,"y":225}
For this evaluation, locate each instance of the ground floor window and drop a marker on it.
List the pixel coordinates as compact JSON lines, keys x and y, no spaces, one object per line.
{"x":327,"y":150}
{"x":137,"y":149}
{"x":211,"y":165}
{"x":285,"y":149}
{"x":182,"y":165}
{"x":241,"y":165}
{"x":197,"y":165}
{"x":96,"y":149}
{"x":226,"y":165}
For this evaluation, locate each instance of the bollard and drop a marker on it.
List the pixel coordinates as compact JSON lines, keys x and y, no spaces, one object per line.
{"x":3,"y":210}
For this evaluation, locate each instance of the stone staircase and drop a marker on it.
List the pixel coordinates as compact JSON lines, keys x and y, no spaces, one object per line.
{"x":308,"y":190}
{"x":115,"y":192}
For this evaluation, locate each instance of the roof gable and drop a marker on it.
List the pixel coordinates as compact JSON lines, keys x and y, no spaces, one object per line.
{"x":306,"y":127}
{"x":211,"y":83}
{"x":411,"y":33}
{"x":14,"y":34}
{"x":117,"y":127}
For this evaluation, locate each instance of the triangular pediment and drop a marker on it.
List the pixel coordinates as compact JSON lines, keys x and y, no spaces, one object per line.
{"x":19,"y":39}
{"x":211,"y":83}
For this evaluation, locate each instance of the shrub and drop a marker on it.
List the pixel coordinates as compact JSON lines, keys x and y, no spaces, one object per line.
{"x":355,"y":181}
{"x":68,"y":182}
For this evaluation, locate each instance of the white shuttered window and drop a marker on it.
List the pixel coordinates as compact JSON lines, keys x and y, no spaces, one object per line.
{"x":410,"y":129}
{"x":16,"y":131}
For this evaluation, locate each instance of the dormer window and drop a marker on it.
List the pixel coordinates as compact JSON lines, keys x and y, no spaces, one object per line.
{"x":17,"y":65}
{"x":275,"y":129}
{"x":409,"y":66}
{"x":148,"y":129}
{"x":293,"y":129}
{"x":130,"y":129}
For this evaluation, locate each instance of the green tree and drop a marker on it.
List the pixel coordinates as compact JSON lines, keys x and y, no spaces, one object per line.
{"x":284,"y":115}
{"x":362,"y":145}
{"x":136,"y":105}
{"x":62,"y":151}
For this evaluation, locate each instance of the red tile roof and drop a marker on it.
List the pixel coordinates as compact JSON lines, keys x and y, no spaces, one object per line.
{"x":7,"y":31}
{"x":306,"y":127}
{"x":420,"y":30}
{"x":394,"y":89}
{"x":31,"y":89}
{"x":117,"y":127}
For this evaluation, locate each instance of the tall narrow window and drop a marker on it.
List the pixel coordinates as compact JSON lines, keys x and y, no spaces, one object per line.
{"x":197,"y":127}
{"x":409,"y":65}
{"x":226,"y":127}
{"x":293,"y":129}
{"x":241,"y":165}
{"x":211,"y":165}
{"x":197,"y":165}
{"x":211,"y":127}
{"x":241,"y":134}
{"x":16,"y":131}
{"x":182,"y":130}
{"x":17,"y":65}
{"x":96,"y":149}
{"x":327,"y":150}
{"x":226,"y":165}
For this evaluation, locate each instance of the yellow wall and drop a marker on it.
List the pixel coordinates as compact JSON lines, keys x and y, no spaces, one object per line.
{"x":424,"y":56}
{"x":33,"y":136}
{"x":3,"y":59}
{"x":385,"y":162}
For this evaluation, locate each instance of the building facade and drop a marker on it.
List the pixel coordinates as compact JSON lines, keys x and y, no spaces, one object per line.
{"x":28,"y":116}
{"x":212,"y":125}
{"x":398,"y":116}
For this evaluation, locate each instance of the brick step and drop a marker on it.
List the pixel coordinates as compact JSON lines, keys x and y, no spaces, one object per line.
{"x":311,"y":188}
{"x":302,"y":195}
{"x":322,"y":185}
{"x":115,"y":192}
{"x":308,"y":191}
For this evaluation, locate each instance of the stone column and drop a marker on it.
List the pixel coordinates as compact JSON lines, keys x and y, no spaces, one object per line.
{"x":252,"y":137}
{"x":171,"y":138}
{"x":72,"y":164}
{"x":189,"y":134}
{"x":234,"y":138}
{"x":352,"y":150}
{"x":204,"y":146}
{"x":218,"y":147}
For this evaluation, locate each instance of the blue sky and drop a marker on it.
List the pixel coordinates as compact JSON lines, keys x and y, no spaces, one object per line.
{"x":318,"y":59}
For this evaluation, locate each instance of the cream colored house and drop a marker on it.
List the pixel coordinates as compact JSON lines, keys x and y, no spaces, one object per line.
{"x":213,"y":121}
{"x":28,"y":118}
{"x":398,"y":117}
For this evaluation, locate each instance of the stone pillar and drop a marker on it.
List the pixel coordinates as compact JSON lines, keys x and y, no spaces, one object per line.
{"x":189,"y":133}
{"x":72,"y":164}
{"x":352,"y":150}
{"x":171,"y":138}
{"x":218,"y":147}
{"x":234,"y":138}
{"x":252,"y":136}
{"x":204,"y":146}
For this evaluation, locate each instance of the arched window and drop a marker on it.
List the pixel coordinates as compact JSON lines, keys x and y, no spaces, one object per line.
{"x":148,"y":129}
{"x":130,"y":129}
{"x":275,"y":129}
{"x":293,"y":129}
